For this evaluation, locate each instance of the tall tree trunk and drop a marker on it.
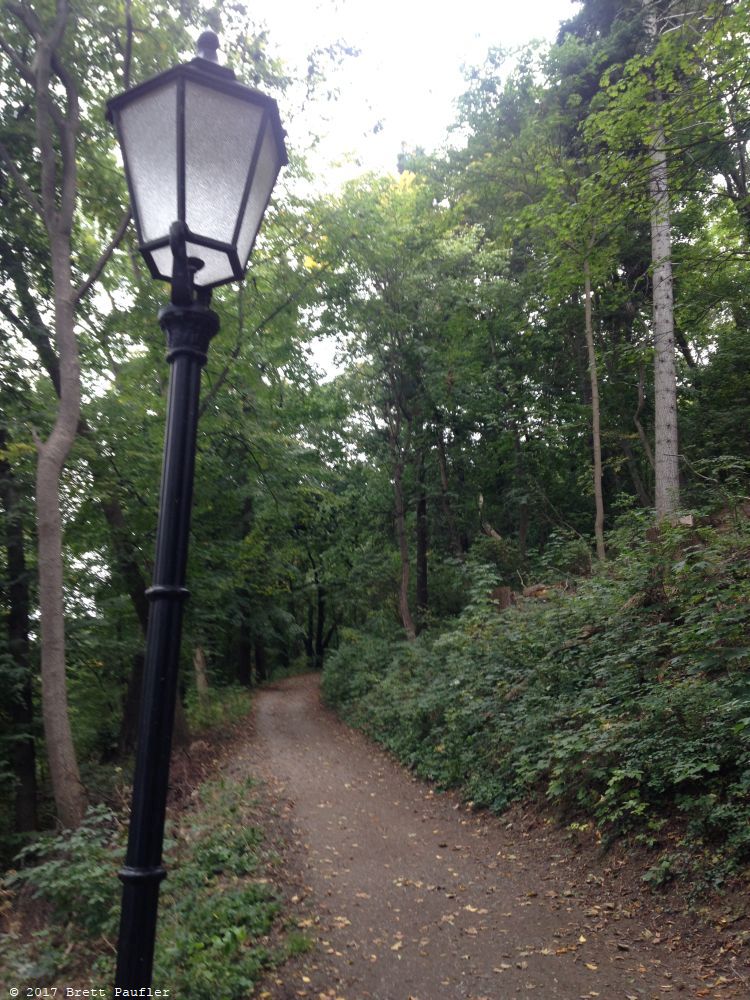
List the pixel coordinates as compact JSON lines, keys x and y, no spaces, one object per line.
{"x":455,"y":541}
{"x":261,"y":663}
{"x":422,"y":544}
{"x":523,"y":506}
{"x":403,"y":548}
{"x":643,"y":498}
{"x":19,"y":704}
{"x":642,"y":436}
{"x":52,"y":196}
{"x":666,"y":452}
{"x":130,"y":704}
{"x":70,"y":797}
{"x":666,"y":461}
{"x":244,"y":657}
{"x":310,"y":633}
{"x":181,"y":732}
{"x":595,"y":417}
{"x":320,"y":618}
{"x":201,"y":673}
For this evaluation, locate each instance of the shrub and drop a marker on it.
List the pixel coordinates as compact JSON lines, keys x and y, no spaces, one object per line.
{"x":624,"y":699}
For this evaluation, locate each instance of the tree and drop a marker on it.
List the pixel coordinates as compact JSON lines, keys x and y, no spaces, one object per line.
{"x":57,"y":120}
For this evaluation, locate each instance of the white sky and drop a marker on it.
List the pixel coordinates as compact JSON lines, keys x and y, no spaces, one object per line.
{"x":405,"y":79}
{"x":409,"y":71}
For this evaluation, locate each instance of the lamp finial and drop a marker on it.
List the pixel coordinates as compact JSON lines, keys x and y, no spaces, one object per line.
{"x":207,"y":46}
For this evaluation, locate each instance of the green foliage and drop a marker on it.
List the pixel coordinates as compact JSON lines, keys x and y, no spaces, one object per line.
{"x":219,"y":707}
{"x":72,"y":878}
{"x":215,"y":911}
{"x":73,"y":872}
{"x":623,"y":699}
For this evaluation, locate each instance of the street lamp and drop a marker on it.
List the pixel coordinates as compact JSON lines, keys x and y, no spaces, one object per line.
{"x":201,"y":154}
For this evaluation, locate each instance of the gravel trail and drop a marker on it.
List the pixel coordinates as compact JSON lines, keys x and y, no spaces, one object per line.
{"x":411,"y":896}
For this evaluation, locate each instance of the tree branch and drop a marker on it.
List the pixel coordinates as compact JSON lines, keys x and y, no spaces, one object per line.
{"x":21,"y":67}
{"x":84,"y":289}
{"x":213,"y":391}
{"x":23,"y":185}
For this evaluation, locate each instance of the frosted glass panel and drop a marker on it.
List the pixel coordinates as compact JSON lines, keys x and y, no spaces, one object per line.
{"x":163,"y":261}
{"x":267,"y":168}
{"x":216,"y":266}
{"x":149,"y":136}
{"x":220,"y":137}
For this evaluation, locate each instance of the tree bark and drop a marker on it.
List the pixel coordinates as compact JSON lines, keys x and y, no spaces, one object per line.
{"x":595,"y":416}
{"x":523,"y":507}
{"x":320,"y":618}
{"x":642,"y":436}
{"x":403,"y":548}
{"x":422,"y":545}
{"x":666,"y":452}
{"x":640,"y":488}
{"x":244,"y":657}
{"x":455,"y":541}
{"x":130,"y":705}
{"x":201,"y":674}
{"x":310,"y":633}
{"x":70,"y":797}
{"x":261,"y":664}
{"x":56,"y":119}
{"x":20,"y":703}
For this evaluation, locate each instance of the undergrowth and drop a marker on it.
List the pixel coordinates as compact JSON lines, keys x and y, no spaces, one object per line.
{"x":623,"y":697}
{"x":216,"y":908}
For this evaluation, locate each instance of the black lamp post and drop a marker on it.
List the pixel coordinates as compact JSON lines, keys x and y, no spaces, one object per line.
{"x":201,"y":153}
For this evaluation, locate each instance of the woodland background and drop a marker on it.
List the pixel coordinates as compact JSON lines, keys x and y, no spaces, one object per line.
{"x":513,"y":526}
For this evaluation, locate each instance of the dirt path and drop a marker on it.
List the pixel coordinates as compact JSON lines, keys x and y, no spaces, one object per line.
{"x":412,"y":897}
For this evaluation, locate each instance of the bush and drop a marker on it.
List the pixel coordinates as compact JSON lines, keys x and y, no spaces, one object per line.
{"x":214,"y":910}
{"x":624,"y":699}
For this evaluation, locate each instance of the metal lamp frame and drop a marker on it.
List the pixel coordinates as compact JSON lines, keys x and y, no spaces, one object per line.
{"x":205,"y":73}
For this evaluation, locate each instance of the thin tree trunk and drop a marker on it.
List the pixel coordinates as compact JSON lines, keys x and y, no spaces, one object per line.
{"x":455,"y":541}
{"x":595,"y":417}
{"x":403,"y":547}
{"x":181,"y":732}
{"x":244,"y":658}
{"x":130,"y":704}
{"x":70,"y":797}
{"x":56,"y":120}
{"x":422,"y":545}
{"x":20,"y":703}
{"x":643,"y":498}
{"x":310,"y":633}
{"x":320,"y":618}
{"x":642,"y":436}
{"x":201,"y":674}
{"x":261,"y":665}
{"x":523,"y":507}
